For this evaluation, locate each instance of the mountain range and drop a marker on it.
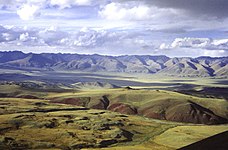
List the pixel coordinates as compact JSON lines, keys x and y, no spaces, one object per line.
{"x":184,"y":66}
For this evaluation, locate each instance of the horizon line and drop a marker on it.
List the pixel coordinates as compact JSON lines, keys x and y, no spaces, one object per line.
{"x":107,"y":55}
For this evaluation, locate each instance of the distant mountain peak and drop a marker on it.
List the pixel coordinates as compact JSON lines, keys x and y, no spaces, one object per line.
{"x":160,"y":64}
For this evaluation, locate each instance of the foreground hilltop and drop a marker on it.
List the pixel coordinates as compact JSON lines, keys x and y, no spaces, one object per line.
{"x":41,"y":124}
{"x":186,"y":66}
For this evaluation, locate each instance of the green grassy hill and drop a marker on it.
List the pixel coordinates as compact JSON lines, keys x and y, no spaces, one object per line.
{"x":156,"y":104}
{"x":119,"y":118}
{"x":39,"y":124}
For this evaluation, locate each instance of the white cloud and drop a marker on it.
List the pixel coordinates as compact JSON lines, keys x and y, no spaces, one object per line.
{"x":203,"y":43}
{"x":84,"y":38}
{"x":117,"y":11}
{"x":69,"y":3}
{"x":7,"y":36}
{"x":107,"y":41}
{"x":83,"y":2}
{"x":29,"y":9}
{"x":164,"y":46}
{"x":24,"y":37}
{"x":135,"y":11}
{"x":28,"y":12}
{"x":51,"y":35}
{"x":221,"y":42}
{"x":191,"y":42}
{"x":90,"y":38}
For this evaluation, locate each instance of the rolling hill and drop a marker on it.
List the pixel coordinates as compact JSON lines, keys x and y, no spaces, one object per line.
{"x":39,"y":124}
{"x":186,"y":66}
{"x":157,"y":104}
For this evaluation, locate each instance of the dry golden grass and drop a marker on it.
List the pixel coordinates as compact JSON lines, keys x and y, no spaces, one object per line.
{"x":184,"y":135}
{"x":39,"y":124}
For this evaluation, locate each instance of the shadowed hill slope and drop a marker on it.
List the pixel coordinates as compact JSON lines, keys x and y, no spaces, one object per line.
{"x":158,"y":104}
{"x":193,"y":67}
{"x":39,"y":124}
{"x":162,"y":105}
{"x":216,"y":142}
{"x":179,"y":111}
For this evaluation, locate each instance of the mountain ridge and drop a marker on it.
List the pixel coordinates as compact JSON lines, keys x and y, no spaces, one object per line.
{"x":203,"y":66}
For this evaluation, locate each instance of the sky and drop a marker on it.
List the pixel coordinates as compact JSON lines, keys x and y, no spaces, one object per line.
{"x":176,"y":28}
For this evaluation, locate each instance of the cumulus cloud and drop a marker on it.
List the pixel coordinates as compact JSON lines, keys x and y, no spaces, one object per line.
{"x":30,"y":9}
{"x":164,"y":46}
{"x":7,"y":36}
{"x":69,"y":3}
{"x":89,"y":38}
{"x":191,"y":42}
{"x":154,"y":14}
{"x":86,"y":39}
{"x":107,"y":41}
{"x":28,"y":12}
{"x":24,"y":37}
{"x":51,"y":35}
{"x":133,"y":11}
{"x":117,"y":11}
{"x":202,"y":43}
{"x":18,"y":36}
